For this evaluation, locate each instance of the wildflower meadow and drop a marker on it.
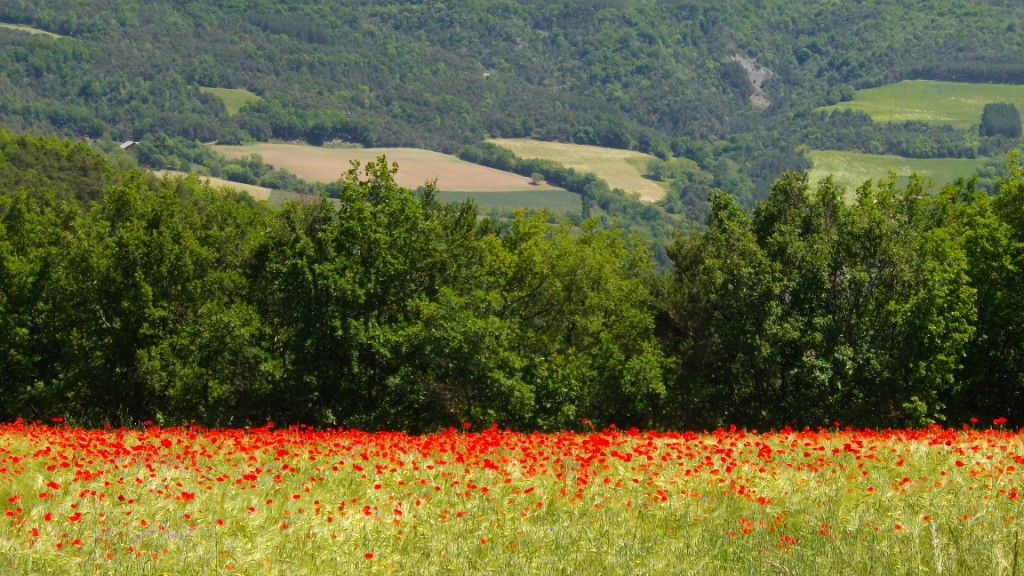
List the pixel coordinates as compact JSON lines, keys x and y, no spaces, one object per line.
{"x":189,"y":500}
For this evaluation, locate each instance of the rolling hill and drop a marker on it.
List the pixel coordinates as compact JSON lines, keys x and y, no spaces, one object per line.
{"x":662,"y":78}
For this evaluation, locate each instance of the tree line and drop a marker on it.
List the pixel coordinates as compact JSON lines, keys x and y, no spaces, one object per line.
{"x":126,"y":297}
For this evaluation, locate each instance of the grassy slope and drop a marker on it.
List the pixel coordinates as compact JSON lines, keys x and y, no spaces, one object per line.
{"x":233,"y":98}
{"x":851,"y":169}
{"x":30,"y":30}
{"x":617,"y":167}
{"x":956,"y":103}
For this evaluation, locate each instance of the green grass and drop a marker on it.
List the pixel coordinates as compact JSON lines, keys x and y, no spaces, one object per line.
{"x":619,"y":168}
{"x":233,"y":98}
{"x":30,"y":30}
{"x":556,"y":201}
{"x":956,"y":103}
{"x":851,"y":169}
{"x":286,"y":502}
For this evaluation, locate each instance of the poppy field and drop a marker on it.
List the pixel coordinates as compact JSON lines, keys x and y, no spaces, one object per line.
{"x":188,"y":500}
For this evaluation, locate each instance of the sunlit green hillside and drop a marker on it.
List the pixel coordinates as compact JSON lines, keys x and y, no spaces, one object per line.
{"x":956,"y":103}
{"x":851,"y":169}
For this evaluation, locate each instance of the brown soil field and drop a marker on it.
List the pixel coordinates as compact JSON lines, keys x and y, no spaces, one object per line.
{"x":415,"y":166}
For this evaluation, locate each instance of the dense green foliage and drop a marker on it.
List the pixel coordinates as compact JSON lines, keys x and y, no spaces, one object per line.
{"x":662,"y":77}
{"x":814,"y":308}
{"x":146,"y":298}
{"x":165,"y":299}
{"x":1000,"y":119}
{"x":887,"y":311}
{"x":854,"y":131}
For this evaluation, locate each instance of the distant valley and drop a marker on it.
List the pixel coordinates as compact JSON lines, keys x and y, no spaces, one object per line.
{"x":694,"y":96}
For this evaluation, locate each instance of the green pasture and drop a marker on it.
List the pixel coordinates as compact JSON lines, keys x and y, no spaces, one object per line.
{"x":959,"y":104}
{"x":851,"y":169}
{"x":233,"y":98}
{"x":556,"y":201}
{"x":619,"y":168}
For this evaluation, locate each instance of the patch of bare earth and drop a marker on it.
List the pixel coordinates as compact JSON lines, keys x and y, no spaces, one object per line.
{"x":415,"y":166}
{"x":758,"y":75}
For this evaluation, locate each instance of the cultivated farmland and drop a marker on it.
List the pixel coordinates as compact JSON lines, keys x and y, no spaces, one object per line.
{"x":619,"y":168}
{"x":456,"y":179}
{"x":959,"y":104}
{"x":416,"y":166}
{"x":298,"y":501}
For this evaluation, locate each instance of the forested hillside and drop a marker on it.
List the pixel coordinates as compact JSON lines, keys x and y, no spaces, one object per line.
{"x":125,"y":297}
{"x":662,"y":77}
